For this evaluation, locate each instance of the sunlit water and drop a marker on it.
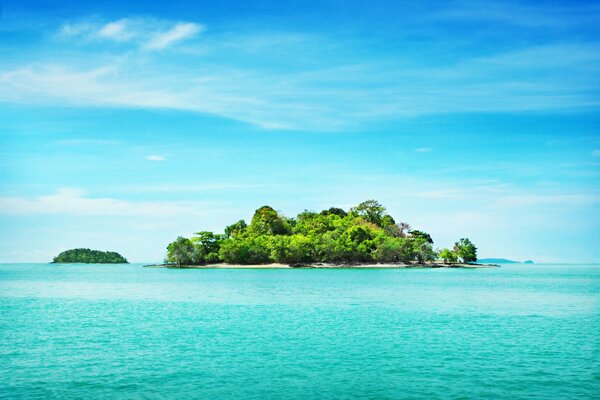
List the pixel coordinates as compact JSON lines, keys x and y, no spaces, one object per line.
{"x":123,"y":331}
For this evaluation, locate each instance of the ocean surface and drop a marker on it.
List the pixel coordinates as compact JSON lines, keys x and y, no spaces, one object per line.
{"x":124,"y":331}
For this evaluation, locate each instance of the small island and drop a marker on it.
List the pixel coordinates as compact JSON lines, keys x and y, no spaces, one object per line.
{"x":504,"y":261}
{"x":87,"y":256}
{"x":365,"y":236}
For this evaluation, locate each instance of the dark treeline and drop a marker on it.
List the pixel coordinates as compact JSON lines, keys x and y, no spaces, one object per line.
{"x":87,"y":256}
{"x":366,"y":233}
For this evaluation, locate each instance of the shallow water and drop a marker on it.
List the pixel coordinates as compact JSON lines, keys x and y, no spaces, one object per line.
{"x":123,"y":331}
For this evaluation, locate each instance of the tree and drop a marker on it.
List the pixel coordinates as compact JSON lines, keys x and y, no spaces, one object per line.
{"x":180,"y":251}
{"x":370,"y":210}
{"x":246,"y":250}
{"x":387,"y":220}
{"x":311,"y":223}
{"x":236,"y":229}
{"x":294,"y":249}
{"x":334,"y":211}
{"x":393,"y":249}
{"x":208,"y":240}
{"x":206,"y":247}
{"x":403,"y":227}
{"x":266,"y":221}
{"x":395,"y":230}
{"x":466,"y":250}
{"x":423,"y":250}
{"x":420,"y":234}
{"x":448,"y":256}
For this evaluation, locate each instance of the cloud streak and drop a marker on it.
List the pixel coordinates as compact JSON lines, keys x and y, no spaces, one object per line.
{"x":155,"y":158}
{"x":266,"y":80}
{"x":74,"y":202}
{"x":179,"y":32}
{"x":149,"y":34}
{"x":511,"y":82}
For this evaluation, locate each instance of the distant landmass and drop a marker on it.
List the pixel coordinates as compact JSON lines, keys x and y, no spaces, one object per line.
{"x":87,"y":256}
{"x":502,"y":261}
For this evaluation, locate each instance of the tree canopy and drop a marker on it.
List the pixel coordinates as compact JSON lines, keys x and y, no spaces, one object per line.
{"x":364,"y":234}
{"x":87,"y":256}
{"x":466,"y":250}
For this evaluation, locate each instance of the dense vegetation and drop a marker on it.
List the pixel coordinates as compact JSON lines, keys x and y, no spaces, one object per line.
{"x":366,"y":233}
{"x":89,"y":257}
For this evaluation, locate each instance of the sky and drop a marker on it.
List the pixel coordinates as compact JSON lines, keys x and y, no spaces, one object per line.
{"x":126,"y":124}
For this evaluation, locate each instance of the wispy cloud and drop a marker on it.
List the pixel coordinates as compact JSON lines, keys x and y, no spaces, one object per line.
{"x":423,"y":150}
{"x":297,"y":100}
{"x":286,"y":91}
{"x":180,"y":31}
{"x":150,"y":34}
{"x":116,"y":30}
{"x":155,"y":158}
{"x":73,"y":201}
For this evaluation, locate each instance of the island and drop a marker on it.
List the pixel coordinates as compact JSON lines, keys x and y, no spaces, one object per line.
{"x":499,"y":260}
{"x":87,"y":256}
{"x":503,"y":261}
{"x":364,"y":236}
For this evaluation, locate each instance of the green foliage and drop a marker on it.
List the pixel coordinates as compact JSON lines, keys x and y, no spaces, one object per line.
{"x":236,"y":229}
{"x":387,"y":220}
{"x":294,"y":249}
{"x":247,"y":250}
{"x":423,"y":250}
{"x":87,"y":256}
{"x":365,"y":234}
{"x":393,"y":249}
{"x":206,"y":247}
{"x":448,"y":256}
{"x":370,"y":210}
{"x":466,"y":250}
{"x":208,"y":241}
{"x":310,"y":223}
{"x":334,"y":211}
{"x":421,"y":235}
{"x":181,"y":252}
{"x":266,"y":221}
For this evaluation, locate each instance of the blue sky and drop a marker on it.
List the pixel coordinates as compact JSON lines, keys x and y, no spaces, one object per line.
{"x":123,"y":126}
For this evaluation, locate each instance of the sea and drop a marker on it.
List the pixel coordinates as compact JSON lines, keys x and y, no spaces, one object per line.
{"x":128,"y":332}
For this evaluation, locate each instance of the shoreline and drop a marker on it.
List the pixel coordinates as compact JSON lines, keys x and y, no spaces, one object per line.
{"x":325,"y":266}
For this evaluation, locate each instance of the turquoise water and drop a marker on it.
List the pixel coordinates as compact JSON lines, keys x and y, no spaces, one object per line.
{"x":123,"y":331}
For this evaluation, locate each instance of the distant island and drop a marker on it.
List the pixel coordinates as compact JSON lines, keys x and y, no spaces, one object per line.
{"x":87,"y":256}
{"x":503,"y":261}
{"x":365,"y":234}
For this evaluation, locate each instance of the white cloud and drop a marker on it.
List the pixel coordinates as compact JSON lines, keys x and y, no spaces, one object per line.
{"x":148,"y":33}
{"x":423,"y":150}
{"x":297,"y":98}
{"x":76,"y":29}
{"x":155,"y":158}
{"x":181,"y":31}
{"x":117,"y":30}
{"x":73,"y":201}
